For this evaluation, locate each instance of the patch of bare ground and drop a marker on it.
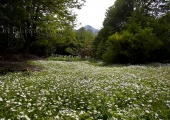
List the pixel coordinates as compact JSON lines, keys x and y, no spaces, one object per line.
{"x":15,"y":62}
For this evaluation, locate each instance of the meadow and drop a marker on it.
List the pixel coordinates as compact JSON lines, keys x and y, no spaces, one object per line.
{"x":82,"y":90}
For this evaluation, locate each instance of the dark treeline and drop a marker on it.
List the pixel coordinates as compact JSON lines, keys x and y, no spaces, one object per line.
{"x":134,"y":31}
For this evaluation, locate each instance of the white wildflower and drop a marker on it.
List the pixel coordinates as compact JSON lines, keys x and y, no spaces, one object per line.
{"x":27,"y":118}
{"x":147,"y":111}
{"x":1,"y":99}
{"x":29,"y":105}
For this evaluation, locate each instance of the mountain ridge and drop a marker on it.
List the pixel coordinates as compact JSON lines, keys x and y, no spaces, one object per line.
{"x":94,"y":30}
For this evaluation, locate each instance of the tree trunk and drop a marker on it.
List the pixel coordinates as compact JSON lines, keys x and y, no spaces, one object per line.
{"x":26,"y":47}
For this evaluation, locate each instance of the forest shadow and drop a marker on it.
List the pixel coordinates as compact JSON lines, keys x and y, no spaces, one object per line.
{"x":15,"y":62}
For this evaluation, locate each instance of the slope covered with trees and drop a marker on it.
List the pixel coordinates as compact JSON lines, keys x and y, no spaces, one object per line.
{"x":135,"y":32}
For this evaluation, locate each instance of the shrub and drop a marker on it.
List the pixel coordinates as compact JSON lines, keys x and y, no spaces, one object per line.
{"x":133,"y":48}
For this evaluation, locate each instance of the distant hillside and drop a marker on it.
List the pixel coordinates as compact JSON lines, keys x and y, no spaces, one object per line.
{"x":95,"y":31}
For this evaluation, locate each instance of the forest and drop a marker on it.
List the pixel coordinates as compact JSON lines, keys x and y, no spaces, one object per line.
{"x":134,"y":31}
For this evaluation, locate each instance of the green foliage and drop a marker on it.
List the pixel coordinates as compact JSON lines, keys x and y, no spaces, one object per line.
{"x":69,"y":58}
{"x":85,"y":39}
{"x":135,"y":32}
{"x":32,"y":20}
{"x":66,"y":42}
{"x":161,"y":28}
{"x":117,"y":45}
{"x":127,"y":47}
{"x":116,"y":17}
{"x":145,"y":44}
{"x":99,"y":41}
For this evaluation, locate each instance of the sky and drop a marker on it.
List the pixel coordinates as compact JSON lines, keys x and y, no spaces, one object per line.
{"x":93,"y":13}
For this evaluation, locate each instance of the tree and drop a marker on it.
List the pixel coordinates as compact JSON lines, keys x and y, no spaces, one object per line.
{"x":137,"y":47}
{"x":31,"y":19}
{"x":85,"y":40}
{"x":116,"y":17}
{"x":99,"y":42}
{"x":161,"y":27}
{"x":159,"y":8}
{"x":67,"y":42}
{"x":143,"y":39}
{"x":135,"y":31}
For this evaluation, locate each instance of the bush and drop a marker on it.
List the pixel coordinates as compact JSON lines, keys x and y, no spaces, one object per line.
{"x":132,"y":48}
{"x":115,"y":52}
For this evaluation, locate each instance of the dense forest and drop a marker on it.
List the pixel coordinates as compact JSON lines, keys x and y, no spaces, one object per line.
{"x":134,"y":31}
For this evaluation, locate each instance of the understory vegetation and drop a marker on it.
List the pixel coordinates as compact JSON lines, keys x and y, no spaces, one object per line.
{"x":80,"y":90}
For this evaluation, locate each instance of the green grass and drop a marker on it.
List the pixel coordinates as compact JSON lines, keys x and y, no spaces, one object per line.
{"x":70,"y":58}
{"x":79,"y":90}
{"x":65,"y":58}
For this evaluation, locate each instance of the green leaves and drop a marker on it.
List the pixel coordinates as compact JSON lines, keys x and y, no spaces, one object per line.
{"x":85,"y":40}
{"x":116,"y":18}
{"x":134,"y":32}
{"x":132,"y":47}
{"x":38,"y":19}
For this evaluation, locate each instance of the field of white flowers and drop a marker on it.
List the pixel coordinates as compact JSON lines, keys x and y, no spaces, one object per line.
{"x":84,"y":91}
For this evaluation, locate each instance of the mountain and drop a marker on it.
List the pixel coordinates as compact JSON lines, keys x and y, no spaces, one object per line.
{"x":88,"y":27}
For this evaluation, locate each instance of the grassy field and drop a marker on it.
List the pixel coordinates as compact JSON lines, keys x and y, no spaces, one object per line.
{"x":81,"y":90}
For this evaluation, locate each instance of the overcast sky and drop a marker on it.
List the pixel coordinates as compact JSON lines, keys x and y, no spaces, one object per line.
{"x":93,"y":13}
